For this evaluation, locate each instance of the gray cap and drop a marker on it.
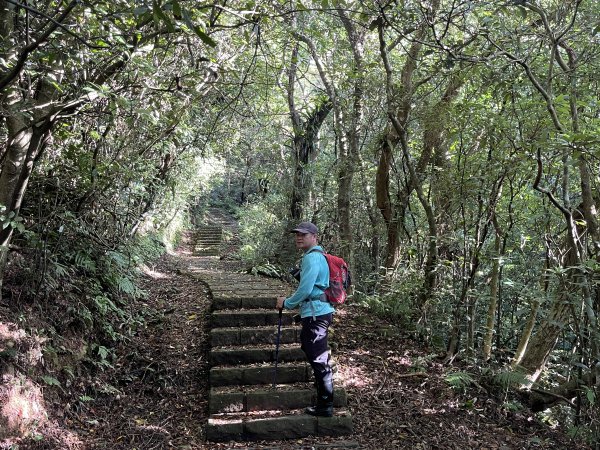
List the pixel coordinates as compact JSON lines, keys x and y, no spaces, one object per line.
{"x":305,"y":227}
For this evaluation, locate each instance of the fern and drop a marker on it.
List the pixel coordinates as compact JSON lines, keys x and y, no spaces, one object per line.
{"x":84,"y":261}
{"x":459,"y":380}
{"x":60,"y":270}
{"x":126,"y":286}
{"x":508,"y":379}
{"x":119,"y":258}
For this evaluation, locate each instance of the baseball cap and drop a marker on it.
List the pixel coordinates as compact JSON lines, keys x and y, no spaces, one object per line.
{"x":305,"y":227}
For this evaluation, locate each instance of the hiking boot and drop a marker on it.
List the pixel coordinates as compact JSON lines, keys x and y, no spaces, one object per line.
{"x":324,"y":407}
{"x":320,"y":411}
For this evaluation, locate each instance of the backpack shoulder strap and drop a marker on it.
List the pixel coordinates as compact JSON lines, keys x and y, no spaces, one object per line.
{"x":322,"y":252}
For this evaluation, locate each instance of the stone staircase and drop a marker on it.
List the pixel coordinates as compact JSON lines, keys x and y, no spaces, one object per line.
{"x":243,"y":404}
{"x":208,"y":240}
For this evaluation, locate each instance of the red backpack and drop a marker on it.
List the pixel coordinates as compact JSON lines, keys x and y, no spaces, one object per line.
{"x":339,"y":278}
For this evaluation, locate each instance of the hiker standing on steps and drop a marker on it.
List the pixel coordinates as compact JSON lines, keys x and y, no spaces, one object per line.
{"x":316,"y":314}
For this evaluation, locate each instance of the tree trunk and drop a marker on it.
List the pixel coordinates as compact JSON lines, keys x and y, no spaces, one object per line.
{"x":494,"y":281}
{"x":403,"y":98}
{"x":385,"y":205}
{"x":372,"y":213}
{"x":304,"y":148}
{"x":25,"y":144}
{"x":345,"y":176}
{"x":305,"y":136}
{"x":543,"y":341}
{"x":535,"y":306}
{"x":349,"y":160}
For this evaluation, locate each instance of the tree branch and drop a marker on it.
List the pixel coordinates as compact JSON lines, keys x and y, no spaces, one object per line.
{"x":8,"y":76}
{"x":534,"y":81}
{"x":537,"y":187}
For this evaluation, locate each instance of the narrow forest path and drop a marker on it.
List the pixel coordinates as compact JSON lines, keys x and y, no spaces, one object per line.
{"x":156,"y":396}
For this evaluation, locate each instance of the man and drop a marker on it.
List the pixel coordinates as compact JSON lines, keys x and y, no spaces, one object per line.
{"x":316,"y":314}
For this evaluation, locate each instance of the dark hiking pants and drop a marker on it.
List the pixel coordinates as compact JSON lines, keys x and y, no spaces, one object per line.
{"x":314,"y":344}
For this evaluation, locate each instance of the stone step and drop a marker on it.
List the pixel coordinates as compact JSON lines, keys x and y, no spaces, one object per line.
{"x":234,"y":285}
{"x":280,"y":398}
{"x":243,"y":375}
{"x":334,"y":445}
{"x":221,"y":337}
{"x":237,"y":278}
{"x":261,"y":293}
{"x":288,"y":426}
{"x":245,"y":300}
{"x":252,"y":355}
{"x":228,"y":286}
{"x":250,"y":318}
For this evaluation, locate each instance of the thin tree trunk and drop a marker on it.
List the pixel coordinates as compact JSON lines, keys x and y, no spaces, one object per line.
{"x":372,"y":214}
{"x":494,"y":282}
{"x":431,"y":261}
{"x":305,"y":136}
{"x":399,"y":106}
{"x":544,"y":340}
{"x":535,"y":306}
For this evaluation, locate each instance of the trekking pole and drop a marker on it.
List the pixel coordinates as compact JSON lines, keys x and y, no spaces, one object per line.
{"x":277,"y":347}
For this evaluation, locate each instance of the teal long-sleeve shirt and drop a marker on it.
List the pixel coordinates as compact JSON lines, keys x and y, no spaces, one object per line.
{"x":314,"y":279}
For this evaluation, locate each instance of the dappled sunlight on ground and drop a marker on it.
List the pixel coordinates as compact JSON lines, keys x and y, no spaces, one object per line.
{"x":401,"y":360}
{"x":153,"y":273}
{"x":353,"y":376}
{"x":21,"y":404}
{"x":10,"y":332}
{"x":25,"y":421}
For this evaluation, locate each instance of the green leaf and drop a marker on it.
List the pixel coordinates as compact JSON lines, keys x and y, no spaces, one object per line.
{"x":591,"y":395}
{"x":196,"y":29}
{"x":205,"y":37}
{"x":176,"y":9}
{"x":102,"y":351}
{"x":140,"y":10}
{"x":50,"y":381}
{"x":159,"y":15}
